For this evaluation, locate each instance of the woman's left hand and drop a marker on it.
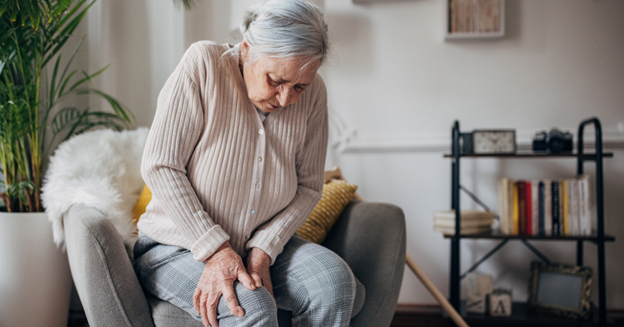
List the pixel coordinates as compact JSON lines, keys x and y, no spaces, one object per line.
{"x":258,"y":265}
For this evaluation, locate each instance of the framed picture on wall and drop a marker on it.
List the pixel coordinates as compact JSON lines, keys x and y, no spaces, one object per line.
{"x":561,"y":290}
{"x":475,"y":19}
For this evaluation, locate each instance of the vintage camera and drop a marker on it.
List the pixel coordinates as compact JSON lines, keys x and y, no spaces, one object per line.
{"x":555,"y":141}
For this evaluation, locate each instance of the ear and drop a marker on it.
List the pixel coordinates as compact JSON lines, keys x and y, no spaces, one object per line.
{"x":244,"y":50}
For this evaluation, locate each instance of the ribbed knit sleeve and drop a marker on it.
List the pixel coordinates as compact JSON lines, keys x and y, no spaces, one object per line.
{"x":310,"y":164}
{"x":177,"y":127}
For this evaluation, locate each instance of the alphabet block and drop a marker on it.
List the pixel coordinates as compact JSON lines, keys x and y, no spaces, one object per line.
{"x":500,"y":303}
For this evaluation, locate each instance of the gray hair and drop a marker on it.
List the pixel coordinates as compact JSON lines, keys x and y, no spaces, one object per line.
{"x":286,"y":29}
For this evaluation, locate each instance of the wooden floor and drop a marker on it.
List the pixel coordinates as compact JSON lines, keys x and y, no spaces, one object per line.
{"x":419,"y":315}
{"x":431,"y":315}
{"x":405,"y":316}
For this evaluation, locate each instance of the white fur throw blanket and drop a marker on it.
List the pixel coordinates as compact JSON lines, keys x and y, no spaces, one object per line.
{"x":101,"y":169}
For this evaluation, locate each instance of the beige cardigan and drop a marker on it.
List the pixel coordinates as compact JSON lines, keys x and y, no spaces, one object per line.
{"x":217,"y":172}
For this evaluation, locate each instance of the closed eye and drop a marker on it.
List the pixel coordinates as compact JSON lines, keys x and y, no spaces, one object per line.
{"x":272,"y":82}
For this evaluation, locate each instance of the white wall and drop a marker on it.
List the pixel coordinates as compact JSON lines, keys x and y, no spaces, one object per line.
{"x":399,"y":86}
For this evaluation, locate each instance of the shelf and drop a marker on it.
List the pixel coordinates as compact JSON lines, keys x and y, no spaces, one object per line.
{"x":584,"y":156}
{"x":520,"y":316}
{"x":498,"y":236}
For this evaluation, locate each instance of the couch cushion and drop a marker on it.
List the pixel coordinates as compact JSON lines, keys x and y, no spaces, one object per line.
{"x":336,"y":196}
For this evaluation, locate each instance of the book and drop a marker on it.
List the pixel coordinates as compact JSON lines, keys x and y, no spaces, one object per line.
{"x":464,"y":223}
{"x":503,"y":211}
{"x":464,"y":231}
{"x":529,"y":208}
{"x":515,"y":208}
{"x":535,"y":206}
{"x":522,"y":208}
{"x":584,"y":205}
{"x":561,"y":226}
{"x":510,"y":207}
{"x":464,"y":214}
{"x":547,"y":207}
{"x":472,"y":222}
{"x":555,"y":208}
{"x":573,"y":207}
{"x":540,"y":209}
{"x":564,"y":203}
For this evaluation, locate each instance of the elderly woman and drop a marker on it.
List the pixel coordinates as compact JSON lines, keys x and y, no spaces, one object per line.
{"x":235,"y":162}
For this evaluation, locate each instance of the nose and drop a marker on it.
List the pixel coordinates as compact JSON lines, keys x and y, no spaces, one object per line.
{"x":284,"y":96}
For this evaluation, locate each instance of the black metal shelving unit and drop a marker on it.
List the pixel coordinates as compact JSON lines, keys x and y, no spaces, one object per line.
{"x":598,"y":239}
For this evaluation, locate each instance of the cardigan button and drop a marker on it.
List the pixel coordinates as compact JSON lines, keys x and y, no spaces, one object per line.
{"x":261,"y":131}
{"x":252,"y":212}
{"x":259,"y":159}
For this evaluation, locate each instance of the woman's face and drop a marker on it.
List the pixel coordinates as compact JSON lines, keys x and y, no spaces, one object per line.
{"x":273,"y":83}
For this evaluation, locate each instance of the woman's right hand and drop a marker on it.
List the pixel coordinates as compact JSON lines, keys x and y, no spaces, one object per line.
{"x":222,"y":269}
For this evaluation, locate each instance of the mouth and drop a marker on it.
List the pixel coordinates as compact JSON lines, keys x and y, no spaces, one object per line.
{"x":272,"y":106}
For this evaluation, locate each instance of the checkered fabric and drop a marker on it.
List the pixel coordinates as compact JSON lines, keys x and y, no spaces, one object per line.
{"x":308,"y":279}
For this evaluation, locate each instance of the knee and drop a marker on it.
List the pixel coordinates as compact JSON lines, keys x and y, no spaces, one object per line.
{"x":258,"y":302}
{"x":334,"y":281}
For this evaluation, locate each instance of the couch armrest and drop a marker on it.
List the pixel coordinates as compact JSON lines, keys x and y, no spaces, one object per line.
{"x":370,"y":237}
{"x":105,"y":280}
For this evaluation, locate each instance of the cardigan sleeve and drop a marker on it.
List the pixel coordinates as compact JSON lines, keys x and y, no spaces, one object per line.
{"x":310,"y":164}
{"x":177,"y":127}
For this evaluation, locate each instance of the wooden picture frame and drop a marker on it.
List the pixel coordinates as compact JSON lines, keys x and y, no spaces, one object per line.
{"x":561,"y":290}
{"x":474,"y":19}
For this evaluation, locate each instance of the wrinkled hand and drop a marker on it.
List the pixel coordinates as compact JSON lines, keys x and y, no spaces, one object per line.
{"x":222,"y":269}
{"x":258,"y":264}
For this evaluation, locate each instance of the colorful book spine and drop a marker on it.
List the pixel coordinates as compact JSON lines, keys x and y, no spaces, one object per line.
{"x":529,"y":208}
{"x":573,"y":207}
{"x":535,"y":206}
{"x":547,"y":207}
{"x":522,"y":208}
{"x":564,"y":203}
{"x":503,"y":220}
{"x":584,"y":210}
{"x":540,"y":209}
{"x":555,"y":208}
{"x":515,"y":209}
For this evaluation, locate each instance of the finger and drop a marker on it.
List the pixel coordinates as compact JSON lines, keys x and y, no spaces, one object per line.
{"x":211,"y":308}
{"x":196,"y":300}
{"x":269,"y":286}
{"x":203,"y":310}
{"x":247,"y":281}
{"x":257,"y":279}
{"x":232,"y":302}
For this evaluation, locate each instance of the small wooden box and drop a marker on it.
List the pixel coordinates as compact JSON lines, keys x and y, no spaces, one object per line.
{"x":500,"y":303}
{"x":476,"y":303}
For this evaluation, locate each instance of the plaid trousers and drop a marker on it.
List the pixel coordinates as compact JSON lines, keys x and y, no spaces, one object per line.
{"x":309,"y":280}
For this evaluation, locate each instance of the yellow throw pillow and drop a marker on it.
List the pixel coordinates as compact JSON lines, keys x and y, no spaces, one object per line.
{"x":336,"y":196}
{"x":141,"y":205}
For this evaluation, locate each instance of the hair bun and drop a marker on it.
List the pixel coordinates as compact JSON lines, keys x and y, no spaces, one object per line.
{"x":250,"y":17}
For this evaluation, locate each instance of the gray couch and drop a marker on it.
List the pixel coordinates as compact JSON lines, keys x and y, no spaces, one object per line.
{"x":370,"y":237}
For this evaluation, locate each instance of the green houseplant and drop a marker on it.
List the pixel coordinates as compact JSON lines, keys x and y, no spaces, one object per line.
{"x":36,"y":80}
{"x":33,"y":88}
{"x":34,"y":116}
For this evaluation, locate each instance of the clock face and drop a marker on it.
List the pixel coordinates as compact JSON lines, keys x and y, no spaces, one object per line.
{"x":494,"y":141}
